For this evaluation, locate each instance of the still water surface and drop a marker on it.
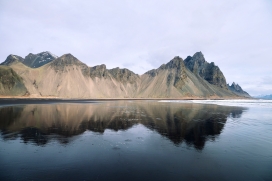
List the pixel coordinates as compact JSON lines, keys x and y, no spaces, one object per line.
{"x":135,"y":140}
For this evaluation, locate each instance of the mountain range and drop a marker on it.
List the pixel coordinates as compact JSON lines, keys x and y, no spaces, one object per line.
{"x":49,"y":76}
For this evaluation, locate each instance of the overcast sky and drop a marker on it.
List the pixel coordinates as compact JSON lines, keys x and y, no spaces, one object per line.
{"x":141,"y":35}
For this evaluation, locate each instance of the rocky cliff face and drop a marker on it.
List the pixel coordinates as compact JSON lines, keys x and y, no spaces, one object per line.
{"x":121,"y":75}
{"x":99,"y":71}
{"x":124,"y":75}
{"x":208,"y":71}
{"x":235,"y":88}
{"x":68,"y":77}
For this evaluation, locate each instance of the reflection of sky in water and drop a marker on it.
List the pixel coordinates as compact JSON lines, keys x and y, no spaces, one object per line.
{"x":236,"y":102}
{"x":142,"y":148}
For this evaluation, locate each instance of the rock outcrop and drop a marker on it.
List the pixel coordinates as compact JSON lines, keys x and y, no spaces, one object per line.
{"x":99,"y":71}
{"x":124,"y":75}
{"x":208,"y":71}
{"x":68,"y":77}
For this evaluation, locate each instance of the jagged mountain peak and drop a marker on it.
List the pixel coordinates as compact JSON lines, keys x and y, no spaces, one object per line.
{"x":39,"y":59}
{"x":68,"y":60}
{"x":11,"y":59}
{"x":198,"y":55}
{"x":196,"y":60}
{"x":47,"y":53}
{"x":237,"y":89}
{"x":121,"y":74}
{"x":124,"y":75}
{"x":122,"y":70}
{"x":68,"y":56}
{"x":176,"y":62}
{"x":102,"y":66}
{"x":233,"y":84}
{"x":208,"y":71}
{"x":31,"y":60}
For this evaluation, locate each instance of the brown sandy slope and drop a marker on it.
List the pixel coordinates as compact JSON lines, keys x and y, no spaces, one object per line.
{"x":67,"y":77}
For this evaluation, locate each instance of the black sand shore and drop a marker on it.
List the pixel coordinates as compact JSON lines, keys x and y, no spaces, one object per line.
{"x":14,"y":101}
{"x":5,"y":101}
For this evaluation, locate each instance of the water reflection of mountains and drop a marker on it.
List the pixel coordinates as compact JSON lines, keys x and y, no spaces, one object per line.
{"x":190,"y":123}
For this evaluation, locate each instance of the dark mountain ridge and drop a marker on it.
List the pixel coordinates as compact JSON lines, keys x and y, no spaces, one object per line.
{"x":12,"y":59}
{"x":237,"y":89}
{"x":31,"y":60}
{"x":208,"y":71}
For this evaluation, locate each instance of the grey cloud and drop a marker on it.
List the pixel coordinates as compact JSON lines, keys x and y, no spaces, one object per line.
{"x":142,"y":35}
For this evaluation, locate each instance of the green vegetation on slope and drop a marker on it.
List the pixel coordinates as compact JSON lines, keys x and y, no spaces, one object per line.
{"x":10,"y":82}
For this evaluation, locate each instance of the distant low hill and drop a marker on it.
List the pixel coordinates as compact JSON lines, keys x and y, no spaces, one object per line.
{"x":264,"y":97}
{"x":46,"y":75}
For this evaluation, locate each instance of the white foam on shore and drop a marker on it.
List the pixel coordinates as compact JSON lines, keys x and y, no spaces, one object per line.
{"x":236,"y":102}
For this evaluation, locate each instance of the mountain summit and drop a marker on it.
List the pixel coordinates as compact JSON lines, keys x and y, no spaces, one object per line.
{"x":31,"y":60}
{"x":208,"y":71}
{"x":46,"y":75}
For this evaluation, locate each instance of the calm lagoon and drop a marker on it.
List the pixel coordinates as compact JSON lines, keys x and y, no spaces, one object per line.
{"x":136,"y":140}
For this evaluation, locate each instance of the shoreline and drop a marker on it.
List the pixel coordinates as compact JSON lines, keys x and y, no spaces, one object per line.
{"x":109,"y":99}
{"x":86,"y":99}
